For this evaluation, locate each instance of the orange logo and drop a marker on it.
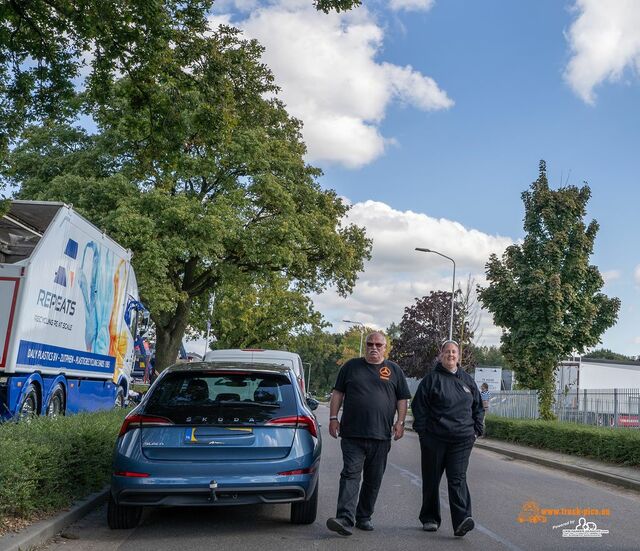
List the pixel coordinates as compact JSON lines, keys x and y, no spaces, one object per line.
{"x":385,"y":372}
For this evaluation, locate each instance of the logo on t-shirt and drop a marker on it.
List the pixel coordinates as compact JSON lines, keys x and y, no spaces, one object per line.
{"x":385,"y":373}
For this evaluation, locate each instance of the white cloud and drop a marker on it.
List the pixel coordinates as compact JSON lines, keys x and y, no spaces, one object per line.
{"x":637,"y":274}
{"x":397,"y":274}
{"x":411,"y":5}
{"x":611,"y":275}
{"x":605,"y":41}
{"x":327,"y":67}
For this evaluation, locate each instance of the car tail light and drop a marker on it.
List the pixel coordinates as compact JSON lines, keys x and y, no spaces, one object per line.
{"x":138,"y":421}
{"x":299,"y":421}
{"x":308,"y":470}
{"x":131,"y":474}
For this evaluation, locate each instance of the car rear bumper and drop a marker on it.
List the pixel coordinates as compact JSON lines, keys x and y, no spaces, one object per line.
{"x":203,"y":496}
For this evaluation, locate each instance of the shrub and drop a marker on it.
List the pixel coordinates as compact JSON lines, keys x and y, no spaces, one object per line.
{"x":47,"y":463}
{"x":613,"y":445}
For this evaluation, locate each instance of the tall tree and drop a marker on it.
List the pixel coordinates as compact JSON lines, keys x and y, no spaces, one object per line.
{"x":48,"y":47}
{"x":350,"y":343}
{"x":544,"y":293}
{"x":470,"y":314}
{"x":211,"y":182}
{"x":423,"y":328}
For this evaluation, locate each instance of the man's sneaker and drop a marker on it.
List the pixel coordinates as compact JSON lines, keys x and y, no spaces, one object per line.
{"x":465,"y":526}
{"x":430,"y":526}
{"x":340,"y":526}
{"x":365,"y":525}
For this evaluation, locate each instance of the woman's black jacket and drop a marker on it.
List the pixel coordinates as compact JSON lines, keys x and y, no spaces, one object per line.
{"x":448,"y":405}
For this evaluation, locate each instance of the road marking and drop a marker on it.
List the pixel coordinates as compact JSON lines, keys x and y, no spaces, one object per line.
{"x":416,"y":480}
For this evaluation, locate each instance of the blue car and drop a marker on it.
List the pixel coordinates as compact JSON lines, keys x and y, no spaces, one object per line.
{"x":212,"y":434}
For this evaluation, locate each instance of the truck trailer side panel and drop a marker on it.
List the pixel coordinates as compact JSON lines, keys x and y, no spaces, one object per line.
{"x":70,"y":288}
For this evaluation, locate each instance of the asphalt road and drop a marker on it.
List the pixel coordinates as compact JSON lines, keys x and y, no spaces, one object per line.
{"x":500,"y":487}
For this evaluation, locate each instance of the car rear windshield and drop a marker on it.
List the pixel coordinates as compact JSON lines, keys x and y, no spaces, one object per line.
{"x":222,"y":398}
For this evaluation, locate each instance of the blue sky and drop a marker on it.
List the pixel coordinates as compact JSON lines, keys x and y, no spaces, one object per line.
{"x":430,"y":117}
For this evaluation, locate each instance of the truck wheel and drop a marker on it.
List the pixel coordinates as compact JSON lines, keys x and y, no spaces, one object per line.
{"x":29,"y":406}
{"x":56,"y":403}
{"x":119,"y":401}
{"x":304,"y":512}
{"x":122,"y":517}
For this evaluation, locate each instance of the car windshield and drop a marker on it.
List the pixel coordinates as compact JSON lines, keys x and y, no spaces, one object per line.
{"x":222,"y":398}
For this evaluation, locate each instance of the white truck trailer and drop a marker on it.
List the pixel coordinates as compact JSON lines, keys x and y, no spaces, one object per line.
{"x":69,"y":311}
{"x":604,"y":392}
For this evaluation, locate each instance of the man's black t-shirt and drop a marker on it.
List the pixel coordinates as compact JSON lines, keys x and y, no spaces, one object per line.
{"x":371,"y":393}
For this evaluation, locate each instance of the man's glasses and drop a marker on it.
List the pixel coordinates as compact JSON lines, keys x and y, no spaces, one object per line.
{"x":376,"y":344}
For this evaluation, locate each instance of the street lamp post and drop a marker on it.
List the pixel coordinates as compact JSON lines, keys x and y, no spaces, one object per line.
{"x":308,"y":377}
{"x":361,"y":331}
{"x":453,"y":286}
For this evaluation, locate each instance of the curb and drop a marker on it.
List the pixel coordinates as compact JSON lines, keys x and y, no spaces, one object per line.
{"x":42,"y":531}
{"x":587,"y":472}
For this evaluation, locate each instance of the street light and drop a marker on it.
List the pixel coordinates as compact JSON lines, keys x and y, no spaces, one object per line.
{"x":361,"y":331}
{"x":453,"y":287}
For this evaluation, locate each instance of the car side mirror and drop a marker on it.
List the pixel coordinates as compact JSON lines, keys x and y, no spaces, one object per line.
{"x":312,"y":404}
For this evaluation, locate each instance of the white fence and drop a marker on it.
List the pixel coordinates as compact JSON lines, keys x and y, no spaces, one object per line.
{"x":610,"y":408}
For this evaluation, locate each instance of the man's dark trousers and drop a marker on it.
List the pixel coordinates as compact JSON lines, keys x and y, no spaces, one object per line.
{"x":438,"y":456}
{"x":366,"y":457}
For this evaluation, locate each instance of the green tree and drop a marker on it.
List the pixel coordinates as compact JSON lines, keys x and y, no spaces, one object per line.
{"x":423,"y":328}
{"x":350,"y":343}
{"x":489,"y":356}
{"x":319,"y":350}
{"x":606,"y":354}
{"x":544,"y":293}
{"x":47,"y":47}
{"x":259,"y":312}
{"x":199,"y":170}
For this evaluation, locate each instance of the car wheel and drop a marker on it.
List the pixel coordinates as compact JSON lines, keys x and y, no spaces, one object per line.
{"x":304,"y":512}
{"x":119,"y":402}
{"x":122,"y":517}
{"x":29,"y":406}
{"x":56,"y":403}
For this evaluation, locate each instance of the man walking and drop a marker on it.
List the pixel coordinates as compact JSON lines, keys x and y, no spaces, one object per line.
{"x":372,"y":390}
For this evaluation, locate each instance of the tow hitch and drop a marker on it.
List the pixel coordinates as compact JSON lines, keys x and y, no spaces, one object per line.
{"x":213,"y":486}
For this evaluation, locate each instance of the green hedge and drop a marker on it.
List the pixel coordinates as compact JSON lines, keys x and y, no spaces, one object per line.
{"x":613,"y":445}
{"x":46,"y":463}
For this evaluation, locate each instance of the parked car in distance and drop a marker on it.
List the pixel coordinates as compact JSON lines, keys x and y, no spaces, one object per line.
{"x":217,"y":434}
{"x":261,"y":356}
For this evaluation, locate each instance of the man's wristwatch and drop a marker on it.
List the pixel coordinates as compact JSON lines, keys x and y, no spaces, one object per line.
{"x":333,"y":418}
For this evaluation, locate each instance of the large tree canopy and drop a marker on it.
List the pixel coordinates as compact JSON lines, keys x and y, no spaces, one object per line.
{"x":49,"y":47}
{"x":544,"y":293}
{"x":423,"y":328}
{"x":198,"y":169}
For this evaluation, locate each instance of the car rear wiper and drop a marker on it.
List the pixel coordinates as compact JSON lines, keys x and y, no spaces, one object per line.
{"x":247,"y":403}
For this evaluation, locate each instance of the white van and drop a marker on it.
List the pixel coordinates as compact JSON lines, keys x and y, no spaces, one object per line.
{"x":260,"y":356}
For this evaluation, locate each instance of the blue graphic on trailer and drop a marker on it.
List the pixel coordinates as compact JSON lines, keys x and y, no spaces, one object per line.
{"x":45,"y":355}
{"x":71,"y":250}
